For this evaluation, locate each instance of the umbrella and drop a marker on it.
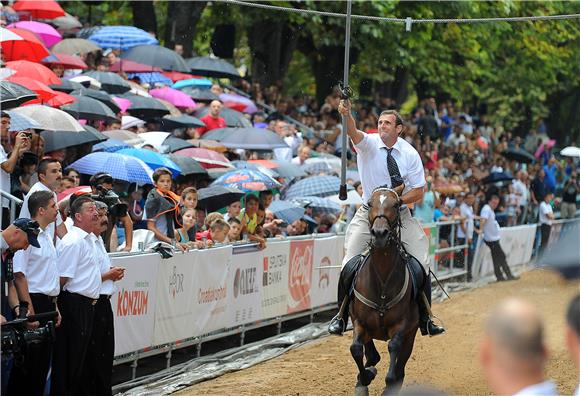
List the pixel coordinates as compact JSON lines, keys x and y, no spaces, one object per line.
{"x":128,"y":137}
{"x":20,"y":122}
{"x":143,"y":107}
{"x":177,"y":76}
{"x":571,"y":151}
{"x":122,"y":37}
{"x":247,"y":180}
{"x":288,"y":170}
{"x":495,"y":177}
{"x":315,"y":168}
{"x":239,"y":103}
{"x":7,"y":35}
{"x":110,"y":145}
{"x":88,"y":31}
{"x":207,"y":158}
{"x":153,"y":159}
{"x":173,"y":96}
{"x":200,"y":95}
{"x":98,"y":95}
{"x":89,"y":109}
{"x":212,"y":67}
{"x":13,"y":95}
{"x":194,"y":83}
{"x":87,"y":82}
{"x":188,"y":166}
{"x":45,"y":32}
{"x":331,"y":160}
{"x":66,"y":22}
{"x":518,"y":155}
{"x":60,"y":99}
{"x":66,"y":61}
{"x":320,"y":205}
{"x":287,"y":211}
{"x":154,"y":55}
{"x":164,"y":141}
{"x":352,"y":198}
{"x":119,"y":166}
{"x":36,"y":71}
{"x":29,"y":47}
{"x":150,"y":78}
{"x":66,"y":86}
{"x":75,"y":46}
{"x":57,"y":140}
{"x":563,"y":255}
{"x":318,"y":186}
{"x":111,"y":82}
{"x":216,"y":197}
{"x":128,"y":66}
{"x":247,"y":138}
{"x":208,"y":144}
{"x":247,"y":165}
{"x":45,"y":9}
{"x":42,"y":90}
{"x":182,"y":121}
{"x":70,"y":191}
{"x":233,"y":118}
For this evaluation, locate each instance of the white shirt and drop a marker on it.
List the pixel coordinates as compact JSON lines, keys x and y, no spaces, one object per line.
{"x":77,"y":260}
{"x":454,"y":140}
{"x":285,"y":153}
{"x":24,"y":212}
{"x":522,"y":191}
{"x":491,"y":227}
{"x":372,"y":164}
{"x":4,"y":177}
{"x":545,"y":210}
{"x":39,"y":266}
{"x":546,"y":388}
{"x":296,"y":161}
{"x":467,"y":212}
{"x":107,"y":286}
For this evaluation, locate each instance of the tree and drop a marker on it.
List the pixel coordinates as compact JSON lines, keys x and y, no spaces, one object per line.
{"x":181,"y":23}
{"x":144,"y":15}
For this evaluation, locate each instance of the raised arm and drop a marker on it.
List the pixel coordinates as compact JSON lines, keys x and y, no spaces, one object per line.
{"x":354,"y":134}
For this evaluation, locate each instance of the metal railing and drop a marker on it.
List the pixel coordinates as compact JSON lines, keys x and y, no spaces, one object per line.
{"x":440,"y":255}
{"x":14,"y":204}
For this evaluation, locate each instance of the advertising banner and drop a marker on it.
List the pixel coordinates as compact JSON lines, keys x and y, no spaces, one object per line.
{"x":327,"y":253}
{"x":245,"y":285}
{"x":275,"y":279}
{"x":134,"y":303}
{"x":300,"y":275}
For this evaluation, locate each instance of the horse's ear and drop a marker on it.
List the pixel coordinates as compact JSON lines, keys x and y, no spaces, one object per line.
{"x":399,"y":189}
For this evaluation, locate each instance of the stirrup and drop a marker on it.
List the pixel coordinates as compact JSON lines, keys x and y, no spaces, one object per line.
{"x":337,"y":325}
{"x":431,"y":329}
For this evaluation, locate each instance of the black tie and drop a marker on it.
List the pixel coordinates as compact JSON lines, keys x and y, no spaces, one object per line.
{"x":396,"y":179}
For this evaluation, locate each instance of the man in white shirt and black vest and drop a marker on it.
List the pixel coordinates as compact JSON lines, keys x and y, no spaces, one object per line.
{"x":385,"y":159}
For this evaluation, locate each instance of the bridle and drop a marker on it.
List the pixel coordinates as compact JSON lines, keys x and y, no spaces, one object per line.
{"x":394,"y":227}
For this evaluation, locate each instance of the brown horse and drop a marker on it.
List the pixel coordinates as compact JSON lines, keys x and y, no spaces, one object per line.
{"x":383,"y":307}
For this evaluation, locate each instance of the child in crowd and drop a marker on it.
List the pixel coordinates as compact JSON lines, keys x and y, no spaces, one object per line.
{"x":217,"y":233}
{"x":233,"y":210}
{"x":235,"y":229}
{"x":189,"y":201}
{"x":182,"y":235}
{"x":249,"y":219}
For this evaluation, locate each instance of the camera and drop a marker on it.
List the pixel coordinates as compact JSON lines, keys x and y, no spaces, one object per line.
{"x":109,"y":198}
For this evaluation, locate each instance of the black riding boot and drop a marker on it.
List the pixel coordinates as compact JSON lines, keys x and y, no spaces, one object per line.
{"x":338,"y":324}
{"x":426,"y":324}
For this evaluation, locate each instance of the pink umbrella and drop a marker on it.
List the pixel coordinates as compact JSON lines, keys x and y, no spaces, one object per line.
{"x":239,"y":103}
{"x":173,"y":96}
{"x":122,"y":103}
{"x":45,"y":32}
{"x":548,"y":144}
{"x":129,"y":66}
{"x":207,"y":158}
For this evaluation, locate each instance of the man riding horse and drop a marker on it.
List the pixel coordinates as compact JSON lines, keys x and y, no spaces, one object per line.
{"x":385,"y":159}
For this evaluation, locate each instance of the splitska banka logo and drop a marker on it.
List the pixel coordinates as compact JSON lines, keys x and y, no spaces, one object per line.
{"x":175,"y":283}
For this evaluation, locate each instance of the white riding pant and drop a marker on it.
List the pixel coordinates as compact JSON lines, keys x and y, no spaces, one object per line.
{"x":358,"y":236}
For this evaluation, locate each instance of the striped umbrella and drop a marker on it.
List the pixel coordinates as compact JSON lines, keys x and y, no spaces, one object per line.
{"x":122,"y":37}
{"x":318,"y":204}
{"x":110,"y":146}
{"x":119,"y":166}
{"x":286,"y":210}
{"x":319,"y":186}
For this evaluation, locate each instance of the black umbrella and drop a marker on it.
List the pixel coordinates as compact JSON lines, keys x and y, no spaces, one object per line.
{"x":67,"y":86}
{"x":495,"y":177}
{"x":56,"y":140}
{"x":518,"y":155}
{"x":188,"y":166}
{"x":169,"y":123}
{"x":13,"y":95}
{"x":175,"y":144}
{"x":233,"y":118}
{"x":212,"y":67}
{"x":110,"y":82}
{"x":247,"y":138}
{"x":99,"y":95}
{"x":89,"y":109}
{"x":216,"y":197}
{"x":144,"y":107}
{"x":200,"y":95}
{"x":154,"y":55}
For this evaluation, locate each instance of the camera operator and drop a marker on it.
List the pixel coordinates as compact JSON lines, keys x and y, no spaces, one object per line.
{"x":100,"y":353}
{"x":38,"y":284}
{"x":102,"y":189}
{"x":80,"y":280}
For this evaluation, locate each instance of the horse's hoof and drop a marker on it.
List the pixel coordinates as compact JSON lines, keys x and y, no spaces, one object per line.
{"x":360,"y":390}
{"x":367,"y":376}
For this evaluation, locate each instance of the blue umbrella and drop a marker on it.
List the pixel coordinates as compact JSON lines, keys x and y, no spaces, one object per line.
{"x":193,"y":82}
{"x":319,"y":186}
{"x":286,"y":210}
{"x":318,"y":204}
{"x":152,"y":159}
{"x":247,"y":180}
{"x":151,"y":78}
{"x":119,"y":166}
{"x":20,"y":122}
{"x":111,"y":146}
{"x":256,"y":167}
{"x":122,"y":37}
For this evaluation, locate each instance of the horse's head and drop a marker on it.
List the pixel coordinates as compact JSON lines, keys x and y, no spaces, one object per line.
{"x":384,"y":216}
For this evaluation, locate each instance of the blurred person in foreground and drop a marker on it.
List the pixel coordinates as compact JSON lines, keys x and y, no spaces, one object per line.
{"x":573,"y":335}
{"x":513,"y":353}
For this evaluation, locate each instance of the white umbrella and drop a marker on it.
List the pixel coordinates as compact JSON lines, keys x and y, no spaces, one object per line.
{"x":571,"y":151}
{"x":352,"y":198}
{"x":92,"y":82}
{"x":50,"y":119}
{"x":8,"y":35}
{"x":155,"y":139}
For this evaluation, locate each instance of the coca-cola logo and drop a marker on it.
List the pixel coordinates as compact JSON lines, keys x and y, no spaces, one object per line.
{"x":300,"y":275}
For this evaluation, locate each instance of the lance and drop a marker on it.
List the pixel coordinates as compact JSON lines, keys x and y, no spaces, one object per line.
{"x":345,"y":95}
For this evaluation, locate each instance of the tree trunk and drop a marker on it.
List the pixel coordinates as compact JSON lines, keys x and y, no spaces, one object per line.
{"x":397,"y":89}
{"x":182,"y":19}
{"x":144,"y":16}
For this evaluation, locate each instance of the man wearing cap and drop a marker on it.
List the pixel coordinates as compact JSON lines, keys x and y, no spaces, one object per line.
{"x":80,"y":280}
{"x":131,"y":123}
{"x":37,"y":283}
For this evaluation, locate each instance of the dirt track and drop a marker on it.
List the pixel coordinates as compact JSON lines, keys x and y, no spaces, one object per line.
{"x":448,"y":362}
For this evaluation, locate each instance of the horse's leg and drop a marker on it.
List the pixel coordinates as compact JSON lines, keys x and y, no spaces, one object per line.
{"x":394,"y":349}
{"x":371,"y":354}
{"x":366,"y":375}
{"x":396,"y":373}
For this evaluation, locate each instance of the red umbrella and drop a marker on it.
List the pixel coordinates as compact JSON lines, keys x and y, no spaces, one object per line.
{"x":44,"y":92}
{"x":36,"y":71}
{"x":61,"y":99}
{"x":129,"y":66}
{"x":29,"y":48}
{"x":178,"y":76}
{"x":67,"y":61}
{"x":39,"y":9}
{"x":70,"y":191}
{"x":207,"y":158}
